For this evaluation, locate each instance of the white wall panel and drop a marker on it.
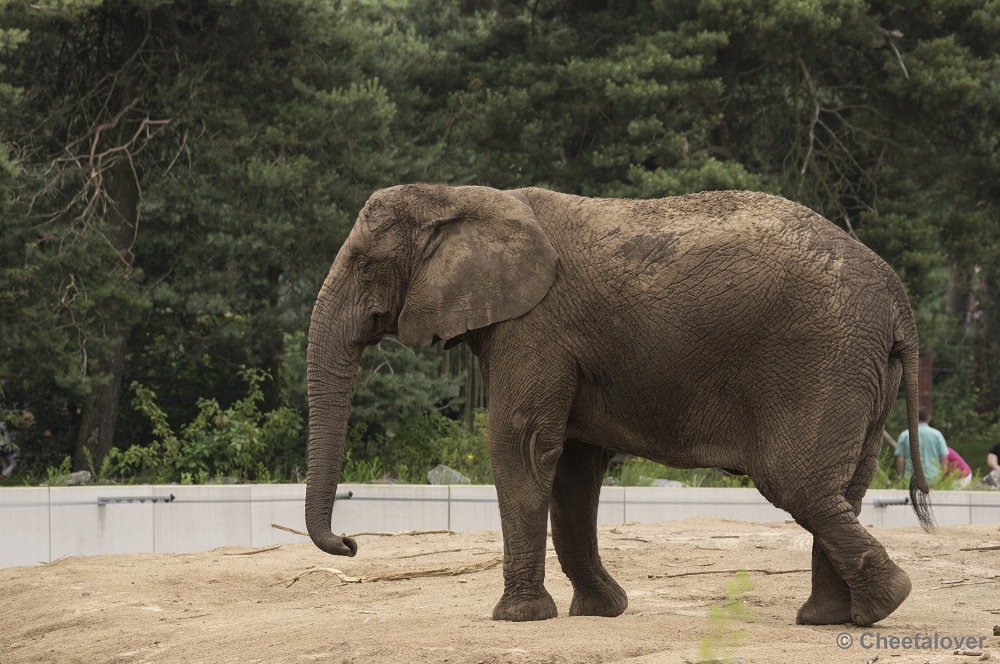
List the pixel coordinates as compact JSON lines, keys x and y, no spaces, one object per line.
{"x":24,"y":526}
{"x":652,"y":504}
{"x":949,"y":508}
{"x":202,"y":517}
{"x":611,"y":508}
{"x":78,"y":526}
{"x":984,"y":506}
{"x":283,"y":504}
{"x":474,"y":507}
{"x":391,"y":508}
{"x":48,"y":523}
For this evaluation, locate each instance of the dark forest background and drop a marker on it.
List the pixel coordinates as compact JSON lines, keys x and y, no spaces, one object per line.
{"x":177,"y":176}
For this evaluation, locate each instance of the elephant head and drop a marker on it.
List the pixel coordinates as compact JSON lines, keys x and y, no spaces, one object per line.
{"x":426,"y":262}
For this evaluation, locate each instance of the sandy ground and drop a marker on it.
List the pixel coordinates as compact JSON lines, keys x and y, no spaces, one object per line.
{"x":219,"y":607}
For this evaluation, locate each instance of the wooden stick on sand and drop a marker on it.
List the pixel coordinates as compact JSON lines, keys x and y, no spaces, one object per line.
{"x":397,"y":576}
{"x":372,"y":533}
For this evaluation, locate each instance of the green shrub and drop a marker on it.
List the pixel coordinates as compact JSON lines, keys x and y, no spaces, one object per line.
{"x":641,"y":472}
{"x":414,"y":446}
{"x":238,"y":441}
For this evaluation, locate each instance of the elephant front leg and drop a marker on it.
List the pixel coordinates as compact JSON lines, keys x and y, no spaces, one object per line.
{"x":575,"y":495}
{"x":523,"y":466}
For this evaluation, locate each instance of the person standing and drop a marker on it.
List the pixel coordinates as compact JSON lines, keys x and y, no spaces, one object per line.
{"x":933,"y":449}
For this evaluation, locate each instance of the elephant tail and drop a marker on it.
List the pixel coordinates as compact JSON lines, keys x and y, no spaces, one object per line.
{"x":919,"y":488}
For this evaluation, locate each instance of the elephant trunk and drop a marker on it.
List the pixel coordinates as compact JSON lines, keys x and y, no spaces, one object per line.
{"x":333,"y":360}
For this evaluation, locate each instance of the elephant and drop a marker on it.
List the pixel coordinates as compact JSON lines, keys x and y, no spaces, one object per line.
{"x":726,"y":329}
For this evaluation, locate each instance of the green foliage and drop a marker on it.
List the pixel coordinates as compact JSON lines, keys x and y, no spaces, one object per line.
{"x":236,"y":441}
{"x":414,"y":446}
{"x":396,"y":384}
{"x":275,"y":119}
{"x":641,"y":472}
{"x":55,"y":474}
{"x":399,"y":429}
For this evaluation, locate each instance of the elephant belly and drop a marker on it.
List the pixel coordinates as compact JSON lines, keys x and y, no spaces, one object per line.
{"x":647,"y":427}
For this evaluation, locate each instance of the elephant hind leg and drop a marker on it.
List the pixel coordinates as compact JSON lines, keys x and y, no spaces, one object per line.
{"x":576,"y":490}
{"x":877,"y":585}
{"x":830,"y":601}
{"x":836,"y":596}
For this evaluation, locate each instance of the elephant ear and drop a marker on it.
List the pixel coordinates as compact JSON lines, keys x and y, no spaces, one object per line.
{"x":486,"y":260}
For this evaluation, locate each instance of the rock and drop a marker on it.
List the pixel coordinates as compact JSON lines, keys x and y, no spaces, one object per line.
{"x":79,"y":478}
{"x":442,"y":474}
{"x":991,"y":480}
{"x":619,"y":458}
{"x":225,"y":479}
{"x":655,"y":481}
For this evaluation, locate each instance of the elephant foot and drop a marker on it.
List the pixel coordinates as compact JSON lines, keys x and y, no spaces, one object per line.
{"x":881,"y":597}
{"x":825,"y":611}
{"x":521,"y":609}
{"x":606,"y":599}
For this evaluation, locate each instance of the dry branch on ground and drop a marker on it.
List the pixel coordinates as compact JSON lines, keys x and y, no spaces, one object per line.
{"x":397,"y":576}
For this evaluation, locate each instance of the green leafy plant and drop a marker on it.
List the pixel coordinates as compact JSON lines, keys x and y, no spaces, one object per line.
{"x":642,"y":472}
{"x":55,"y":474}
{"x":415,"y":445}
{"x":237,"y":441}
{"x":361,"y":471}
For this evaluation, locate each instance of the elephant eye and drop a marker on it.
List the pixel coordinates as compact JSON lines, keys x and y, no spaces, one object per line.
{"x":365,"y":266}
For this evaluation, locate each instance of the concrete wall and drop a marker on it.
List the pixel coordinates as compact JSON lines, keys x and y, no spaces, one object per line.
{"x":43,"y":524}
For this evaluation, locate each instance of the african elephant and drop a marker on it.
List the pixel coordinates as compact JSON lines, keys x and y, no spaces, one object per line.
{"x":724,"y":329}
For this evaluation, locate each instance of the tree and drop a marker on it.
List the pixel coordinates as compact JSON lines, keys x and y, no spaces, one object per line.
{"x":189,"y":170}
{"x":266,"y":124}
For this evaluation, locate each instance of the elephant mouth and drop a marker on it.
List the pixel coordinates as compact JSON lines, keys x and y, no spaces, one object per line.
{"x":382,"y":325}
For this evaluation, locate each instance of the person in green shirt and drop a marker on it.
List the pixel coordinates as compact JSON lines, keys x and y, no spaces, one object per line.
{"x":933,"y":449}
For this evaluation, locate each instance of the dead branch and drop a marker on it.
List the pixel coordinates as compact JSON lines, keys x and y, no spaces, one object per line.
{"x":982,"y":548}
{"x":728,"y":571}
{"x":429,"y":553}
{"x":250,"y":553}
{"x":396,"y":576}
{"x":372,"y":533}
{"x":965,"y":585}
{"x":889,"y":35}
{"x":402,"y":532}
{"x":815,"y":118}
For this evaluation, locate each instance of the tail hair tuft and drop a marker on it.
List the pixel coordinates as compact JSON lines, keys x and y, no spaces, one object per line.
{"x":921,"y":506}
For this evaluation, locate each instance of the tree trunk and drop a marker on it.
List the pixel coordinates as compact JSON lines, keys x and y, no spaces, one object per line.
{"x":96,"y":434}
{"x":475,"y":388}
{"x":100,"y":410}
{"x":959,"y":290}
{"x":274,"y":350}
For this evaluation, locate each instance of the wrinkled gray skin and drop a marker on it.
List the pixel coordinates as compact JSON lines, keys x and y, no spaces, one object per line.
{"x":725,"y":329}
